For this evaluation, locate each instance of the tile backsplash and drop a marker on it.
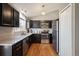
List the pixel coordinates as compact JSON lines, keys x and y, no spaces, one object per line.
{"x":38,"y":30}
{"x":9,"y":30}
{"x":5,"y":30}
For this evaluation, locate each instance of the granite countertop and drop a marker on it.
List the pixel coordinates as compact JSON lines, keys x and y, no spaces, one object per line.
{"x":9,"y":40}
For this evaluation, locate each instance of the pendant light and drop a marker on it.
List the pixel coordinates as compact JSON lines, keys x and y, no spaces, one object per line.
{"x":43,"y":12}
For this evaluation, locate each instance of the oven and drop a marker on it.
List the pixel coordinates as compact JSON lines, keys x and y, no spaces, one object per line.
{"x":44,"y":37}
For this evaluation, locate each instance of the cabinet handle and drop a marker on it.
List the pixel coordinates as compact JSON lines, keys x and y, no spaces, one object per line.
{"x":18,"y":48}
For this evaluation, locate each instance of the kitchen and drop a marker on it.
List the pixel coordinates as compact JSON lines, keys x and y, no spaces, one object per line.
{"x":34,"y":24}
{"x":19,"y":32}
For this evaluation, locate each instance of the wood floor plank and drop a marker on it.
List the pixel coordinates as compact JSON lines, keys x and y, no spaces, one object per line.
{"x":37,"y":49}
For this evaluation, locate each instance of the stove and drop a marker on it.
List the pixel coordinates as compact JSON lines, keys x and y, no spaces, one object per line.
{"x":44,"y":37}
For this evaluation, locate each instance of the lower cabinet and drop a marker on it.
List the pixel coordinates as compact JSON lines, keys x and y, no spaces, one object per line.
{"x":36,"y":38}
{"x":21,"y":48}
{"x":50,"y":38}
{"x":17,"y":49}
{"x":26,"y":45}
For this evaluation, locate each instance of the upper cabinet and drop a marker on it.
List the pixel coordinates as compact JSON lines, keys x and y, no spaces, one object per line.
{"x":46,"y":24}
{"x":7,"y":13}
{"x":35,"y":24}
{"x":8,"y":16}
{"x":16,"y":18}
{"x":40,"y":24}
{"x":50,"y":24}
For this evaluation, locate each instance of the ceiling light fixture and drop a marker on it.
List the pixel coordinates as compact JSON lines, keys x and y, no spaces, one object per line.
{"x":43,"y":12}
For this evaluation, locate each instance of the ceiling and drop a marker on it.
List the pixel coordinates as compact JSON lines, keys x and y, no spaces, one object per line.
{"x":35,"y":9}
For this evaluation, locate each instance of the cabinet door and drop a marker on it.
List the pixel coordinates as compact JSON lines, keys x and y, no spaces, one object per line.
{"x":17,"y":49}
{"x":30,"y":23}
{"x":16,"y":18}
{"x":50,"y":24}
{"x":50,"y":38}
{"x":7,"y":13}
{"x":35,"y":24}
{"x":25,"y":46}
{"x":0,"y":13}
{"x":33,"y":38}
{"x":36,"y":38}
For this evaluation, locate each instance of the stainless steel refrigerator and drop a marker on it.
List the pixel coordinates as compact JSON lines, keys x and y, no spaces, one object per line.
{"x":55,"y":27}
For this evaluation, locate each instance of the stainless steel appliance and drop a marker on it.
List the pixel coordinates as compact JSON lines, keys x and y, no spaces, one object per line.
{"x":45,"y":36}
{"x":56,"y":35}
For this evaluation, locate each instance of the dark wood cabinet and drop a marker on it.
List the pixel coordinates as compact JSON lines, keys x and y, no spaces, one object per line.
{"x":8,"y":16}
{"x":30,"y":39}
{"x":17,"y":49}
{"x":50,"y":24}
{"x":21,"y":48}
{"x":30,"y":23}
{"x":35,"y":24}
{"x":15,"y":18}
{"x":36,"y":38}
{"x":26,"y":45}
{"x":7,"y":13}
{"x":50,"y":38}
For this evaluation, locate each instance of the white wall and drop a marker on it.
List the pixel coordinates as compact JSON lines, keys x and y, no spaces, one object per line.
{"x":51,"y":16}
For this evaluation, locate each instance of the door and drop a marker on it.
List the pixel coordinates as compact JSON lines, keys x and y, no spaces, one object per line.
{"x":65,"y":32}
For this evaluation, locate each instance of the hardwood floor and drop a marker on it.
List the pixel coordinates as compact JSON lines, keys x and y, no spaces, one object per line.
{"x":37,"y":49}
